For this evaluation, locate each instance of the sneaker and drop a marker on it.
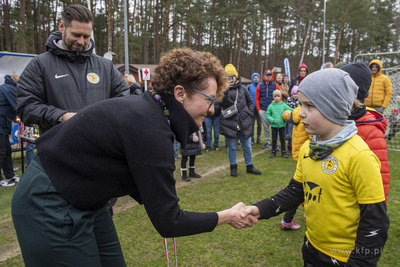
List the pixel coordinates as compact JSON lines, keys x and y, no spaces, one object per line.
{"x":267,"y":145}
{"x":259,"y":141}
{"x":6,"y":183}
{"x":290,"y":226}
{"x":216,"y":148}
{"x":208,"y":148}
{"x":15,"y":179}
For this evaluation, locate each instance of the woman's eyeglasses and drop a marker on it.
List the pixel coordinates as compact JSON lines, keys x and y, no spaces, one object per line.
{"x":209,"y":97}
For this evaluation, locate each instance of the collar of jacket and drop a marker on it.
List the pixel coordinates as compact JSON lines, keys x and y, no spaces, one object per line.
{"x":236,"y":85}
{"x":182,"y":123}
{"x":357,"y":113}
{"x":70,"y":54}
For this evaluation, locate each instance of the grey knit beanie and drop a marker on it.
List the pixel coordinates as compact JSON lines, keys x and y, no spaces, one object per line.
{"x":332,"y":92}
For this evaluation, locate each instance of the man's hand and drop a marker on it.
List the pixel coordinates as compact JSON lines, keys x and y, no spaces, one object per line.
{"x":68,"y":115}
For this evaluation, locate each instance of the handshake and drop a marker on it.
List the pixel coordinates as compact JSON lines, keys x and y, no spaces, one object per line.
{"x":239,"y":216}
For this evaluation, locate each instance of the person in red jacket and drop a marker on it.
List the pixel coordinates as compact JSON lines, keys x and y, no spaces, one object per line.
{"x":302,"y":72}
{"x":371,"y":124}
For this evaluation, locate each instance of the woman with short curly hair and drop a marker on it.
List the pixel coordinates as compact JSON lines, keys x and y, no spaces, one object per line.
{"x":189,"y":69}
{"x":117,"y":147}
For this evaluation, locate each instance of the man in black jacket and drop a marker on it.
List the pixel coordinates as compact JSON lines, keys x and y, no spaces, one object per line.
{"x":69,"y":76}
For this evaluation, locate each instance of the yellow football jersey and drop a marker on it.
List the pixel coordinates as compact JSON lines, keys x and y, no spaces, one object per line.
{"x":333,"y":189}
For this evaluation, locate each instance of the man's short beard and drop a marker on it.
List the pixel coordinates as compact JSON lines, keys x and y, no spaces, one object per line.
{"x":69,"y":46}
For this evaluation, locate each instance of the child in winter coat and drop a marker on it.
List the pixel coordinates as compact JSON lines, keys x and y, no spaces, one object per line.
{"x":292,"y":102}
{"x":371,"y":124}
{"x":191,"y":150}
{"x":274,"y":116}
{"x":299,"y":137}
{"x":338,"y":178}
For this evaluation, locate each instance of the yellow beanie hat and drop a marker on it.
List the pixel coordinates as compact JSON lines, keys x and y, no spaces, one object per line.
{"x":231,"y":70}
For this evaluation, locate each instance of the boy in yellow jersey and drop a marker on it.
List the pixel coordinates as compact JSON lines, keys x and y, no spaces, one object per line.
{"x":337,"y":177}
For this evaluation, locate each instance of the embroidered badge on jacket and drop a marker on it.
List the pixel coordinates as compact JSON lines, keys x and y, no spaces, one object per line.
{"x":93,"y":78}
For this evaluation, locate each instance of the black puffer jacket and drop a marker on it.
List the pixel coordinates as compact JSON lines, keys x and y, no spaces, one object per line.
{"x":60,"y":81}
{"x":228,"y":127}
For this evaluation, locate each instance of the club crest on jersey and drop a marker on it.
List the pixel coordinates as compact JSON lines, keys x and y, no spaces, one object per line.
{"x":93,"y":78}
{"x":329,"y":165}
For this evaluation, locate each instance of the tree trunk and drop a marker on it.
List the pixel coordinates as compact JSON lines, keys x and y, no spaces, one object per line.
{"x":7,"y":35}
{"x":240,"y":40}
{"x":211,"y":31}
{"x":156,"y":31}
{"x":188,"y":32}
{"x":305,"y":41}
{"x":231,"y":41}
{"x":166,"y":28}
{"x":260,"y":61}
{"x":23,"y":26}
{"x":109,"y":26}
{"x":338,"y":44}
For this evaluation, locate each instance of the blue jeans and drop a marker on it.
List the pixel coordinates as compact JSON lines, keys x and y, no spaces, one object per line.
{"x":289,"y":131}
{"x":176,"y":146}
{"x":212,"y":123}
{"x":30,"y":152}
{"x":232,"y":147}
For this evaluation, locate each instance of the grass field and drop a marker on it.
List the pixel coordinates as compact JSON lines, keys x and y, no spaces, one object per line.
{"x":265,"y":244}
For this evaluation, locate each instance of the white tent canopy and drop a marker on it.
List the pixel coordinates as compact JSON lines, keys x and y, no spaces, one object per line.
{"x":13,"y":62}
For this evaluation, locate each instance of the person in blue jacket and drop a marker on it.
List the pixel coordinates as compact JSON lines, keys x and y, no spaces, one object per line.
{"x":255,"y":77}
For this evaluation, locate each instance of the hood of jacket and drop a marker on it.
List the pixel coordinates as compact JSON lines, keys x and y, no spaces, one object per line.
{"x":373,"y":118}
{"x":379,"y":63}
{"x":51,"y":45}
{"x":302,"y":65}
{"x":8,"y":80}
{"x":272,"y":77}
{"x":253,"y":82}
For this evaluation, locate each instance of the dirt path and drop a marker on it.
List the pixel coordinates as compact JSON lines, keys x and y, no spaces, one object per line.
{"x":9,"y":247}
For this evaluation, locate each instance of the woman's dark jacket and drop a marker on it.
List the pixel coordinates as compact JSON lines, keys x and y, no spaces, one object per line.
{"x":123,"y":146}
{"x":191,"y":148}
{"x":228,"y":127}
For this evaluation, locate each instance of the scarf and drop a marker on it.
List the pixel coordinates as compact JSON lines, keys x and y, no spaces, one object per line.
{"x":321,"y":149}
